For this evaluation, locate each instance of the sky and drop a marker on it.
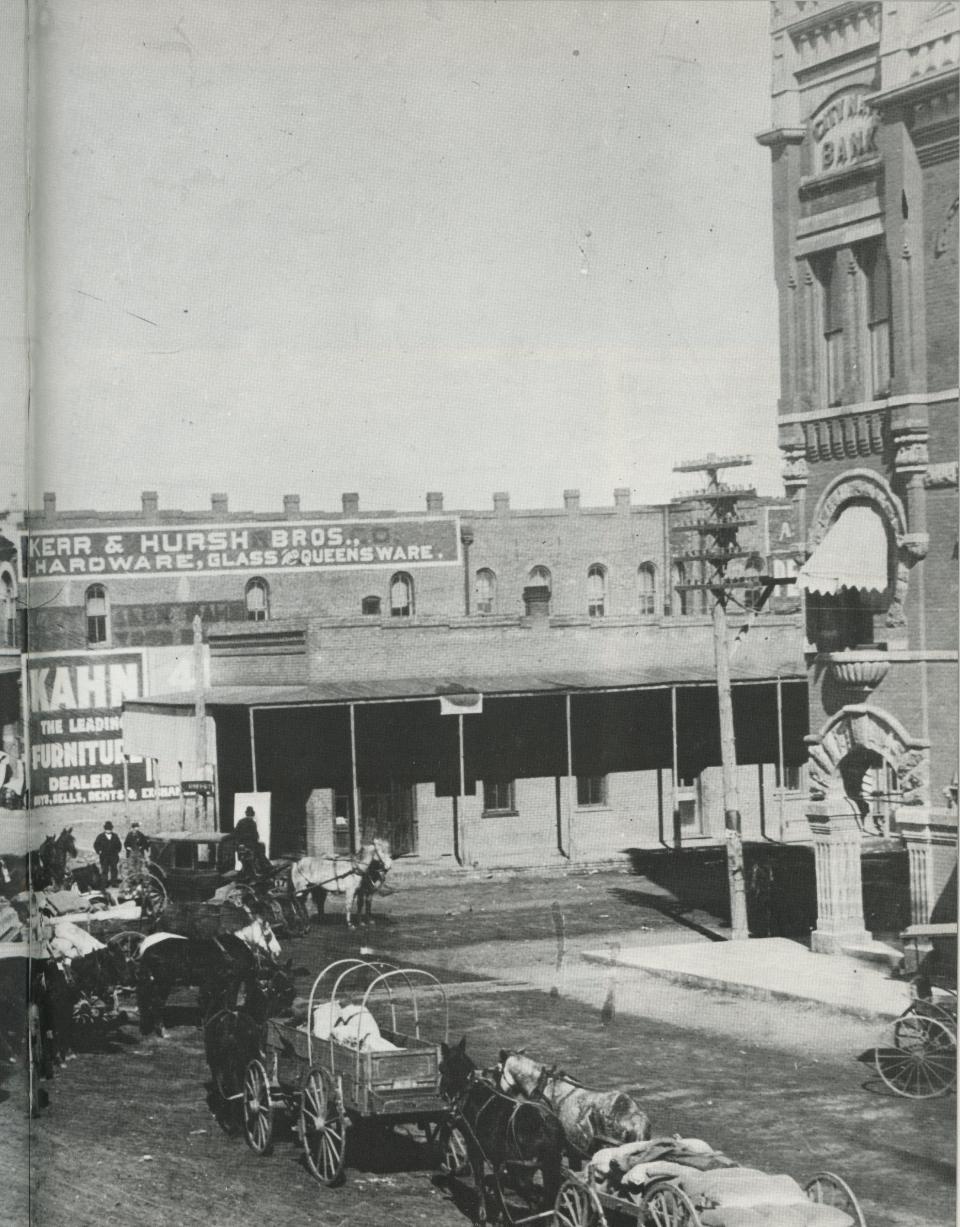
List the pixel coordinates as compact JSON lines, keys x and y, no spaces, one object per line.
{"x":315,"y":246}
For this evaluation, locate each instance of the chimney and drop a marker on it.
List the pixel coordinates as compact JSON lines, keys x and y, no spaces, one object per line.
{"x":351,"y":504}
{"x":49,"y":504}
{"x":536,"y":601}
{"x":148,"y":504}
{"x":218,"y":503}
{"x":434,"y":500}
{"x":571,"y":500}
{"x":291,"y":506}
{"x":501,"y":502}
{"x":621,"y":496}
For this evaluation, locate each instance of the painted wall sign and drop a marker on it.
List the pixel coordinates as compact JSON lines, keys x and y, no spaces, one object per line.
{"x":224,"y":549}
{"x":843,"y":132}
{"x":76,"y":748}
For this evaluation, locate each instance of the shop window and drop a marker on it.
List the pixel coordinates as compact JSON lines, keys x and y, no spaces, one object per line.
{"x":688,"y":804}
{"x":8,"y":612}
{"x":591,"y":791}
{"x":401,"y":596}
{"x":370,"y":607}
{"x":830,"y":274}
{"x":681,"y":597}
{"x":647,"y":590}
{"x":876,"y":270}
{"x":341,"y":823}
{"x":486,"y":591}
{"x":597,"y":591}
{"x":257,"y":598}
{"x":499,"y":797}
{"x":97,"y":609}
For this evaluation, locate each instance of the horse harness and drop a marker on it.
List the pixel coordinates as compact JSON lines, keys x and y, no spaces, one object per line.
{"x":476,"y":1078}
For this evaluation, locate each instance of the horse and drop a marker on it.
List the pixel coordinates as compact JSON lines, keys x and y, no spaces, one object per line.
{"x":41,"y":868}
{"x":521,"y":1140}
{"x":218,"y":966}
{"x":356,"y":878}
{"x":588,"y":1117}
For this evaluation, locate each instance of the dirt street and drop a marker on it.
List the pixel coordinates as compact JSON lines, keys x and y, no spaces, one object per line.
{"x":129,"y":1137}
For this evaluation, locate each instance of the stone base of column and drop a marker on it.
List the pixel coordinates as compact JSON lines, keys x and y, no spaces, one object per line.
{"x":826,"y":941}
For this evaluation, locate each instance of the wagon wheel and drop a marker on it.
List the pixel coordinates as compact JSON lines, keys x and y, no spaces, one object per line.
{"x":229,"y":1090}
{"x":531,"y":1187}
{"x":577,"y":1206}
{"x":454,"y":1159}
{"x":666,"y":1205}
{"x":323,"y":1128}
{"x":153,"y":897}
{"x":128,"y":944}
{"x":923,"y":1062}
{"x":829,"y":1190}
{"x":257,"y":1109}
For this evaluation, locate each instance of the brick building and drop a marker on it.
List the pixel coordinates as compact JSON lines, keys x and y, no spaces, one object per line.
{"x":864,"y":160}
{"x":495,"y":687}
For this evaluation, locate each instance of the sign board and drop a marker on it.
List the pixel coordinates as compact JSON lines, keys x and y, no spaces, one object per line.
{"x":74,"y":702}
{"x":260,"y":803}
{"x":843,"y":132}
{"x":232,"y":549}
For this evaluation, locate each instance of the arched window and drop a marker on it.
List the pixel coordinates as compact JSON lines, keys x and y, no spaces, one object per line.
{"x":257,"y":598}
{"x":97,"y":609}
{"x":597,"y":591}
{"x":539,"y":578}
{"x":370,"y":606}
{"x":401,"y":596}
{"x":647,"y":589}
{"x":8,"y":612}
{"x":680,"y":603}
{"x":486,"y":591}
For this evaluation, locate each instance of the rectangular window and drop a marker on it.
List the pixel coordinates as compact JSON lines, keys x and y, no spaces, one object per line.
{"x":499,"y":797}
{"x":96,"y":628}
{"x":688,"y":804}
{"x":591,"y":790}
{"x":791,"y":778}
{"x":831,"y":279}
{"x":877,"y":271}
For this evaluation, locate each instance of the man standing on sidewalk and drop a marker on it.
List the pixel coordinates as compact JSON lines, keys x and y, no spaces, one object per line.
{"x":107,"y":848}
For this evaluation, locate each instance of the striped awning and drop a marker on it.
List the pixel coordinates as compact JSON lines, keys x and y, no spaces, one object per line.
{"x":852,"y":555}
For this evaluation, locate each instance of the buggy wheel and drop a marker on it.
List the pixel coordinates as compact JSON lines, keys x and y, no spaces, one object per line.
{"x":577,"y":1206}
{"x":923,"y":1062}
{"x":323,"y":1128}
{"x":153,"y":897}
{"x":826,"y":1189}
{"x":257,"y":1109}
{"x":666,"y":1205}
{"x":454,"y":1158}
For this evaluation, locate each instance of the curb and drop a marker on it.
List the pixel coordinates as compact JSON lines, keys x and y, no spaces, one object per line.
{"x":751,"y":992}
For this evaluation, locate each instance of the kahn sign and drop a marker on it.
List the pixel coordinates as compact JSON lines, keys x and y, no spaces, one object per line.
{"x":843,"y":132}
{"x":76,"y":741}
{"x":223,"y":549}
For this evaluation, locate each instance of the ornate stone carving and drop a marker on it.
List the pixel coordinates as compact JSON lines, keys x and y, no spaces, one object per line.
{"x":941,"y":475}
{"x":913,"y":776}
{"x":857,"y":484}
{"x":872,"y":729}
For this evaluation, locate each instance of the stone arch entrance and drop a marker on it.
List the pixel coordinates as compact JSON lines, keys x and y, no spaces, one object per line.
{"x":840,"y":754}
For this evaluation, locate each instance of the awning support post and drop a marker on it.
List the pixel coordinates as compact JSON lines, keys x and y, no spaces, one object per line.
{"x":674,"y":808}
{"x":461,"y":805}
{"x":782,"y":777}
{"x":568,"y":711}
{"x":253,"y":756}
{"x":354,"y":789}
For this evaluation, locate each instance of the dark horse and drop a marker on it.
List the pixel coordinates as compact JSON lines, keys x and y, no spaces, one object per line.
{"x":522,"y":1141}
{"x":40,"y":869}
{"x":217,"y":966}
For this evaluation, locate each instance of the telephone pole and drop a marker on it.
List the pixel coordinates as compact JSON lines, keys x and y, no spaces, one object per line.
{"x":716,"y":520}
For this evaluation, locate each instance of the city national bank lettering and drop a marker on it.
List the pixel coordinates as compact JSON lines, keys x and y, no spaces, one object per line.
{"x":844,"y":132}
{"x":76,"y":743}
{"x":224,"y":549}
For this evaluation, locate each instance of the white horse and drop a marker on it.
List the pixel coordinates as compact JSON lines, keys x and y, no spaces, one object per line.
{"x":357,"y":878}
{"x":588,"y":1117}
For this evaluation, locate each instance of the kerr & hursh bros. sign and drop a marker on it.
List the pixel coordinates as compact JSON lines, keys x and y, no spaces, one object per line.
{"x":308,"y":545}
{"x":76,"y":741}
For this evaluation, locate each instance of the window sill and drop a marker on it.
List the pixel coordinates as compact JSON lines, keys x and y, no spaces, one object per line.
{"x":500,"y":813}
{"x":603,"y":807}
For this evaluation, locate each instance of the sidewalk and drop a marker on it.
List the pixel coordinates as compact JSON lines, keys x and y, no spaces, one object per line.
{"x":771,"y":969}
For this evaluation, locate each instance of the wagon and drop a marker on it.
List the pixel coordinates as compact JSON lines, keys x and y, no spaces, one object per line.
{"x":332,"y":1085}
{"x":663,"y":1202}
{"x":921,"y":1060}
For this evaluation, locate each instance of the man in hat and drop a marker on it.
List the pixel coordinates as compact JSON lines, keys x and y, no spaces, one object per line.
{"x":252,"y":853}
{"x":136,"y":845}
{"x":107,"y":847}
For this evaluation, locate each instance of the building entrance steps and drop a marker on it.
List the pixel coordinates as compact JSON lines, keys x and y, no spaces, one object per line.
{"x":768,"y":968}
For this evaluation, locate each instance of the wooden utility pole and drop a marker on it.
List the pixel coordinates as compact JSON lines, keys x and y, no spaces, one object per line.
{"x":717,"y":522}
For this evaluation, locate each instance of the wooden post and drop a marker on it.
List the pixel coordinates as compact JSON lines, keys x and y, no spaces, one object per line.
{"x":253,"y":756}
{"x":354,"y":788}
{"x":780,"y":770}
{"x":674,"y":807}
{"x":569,"y":716}
{"x":200,"y":705}
{"x":461,"y":805}
{"x":728,"y":758}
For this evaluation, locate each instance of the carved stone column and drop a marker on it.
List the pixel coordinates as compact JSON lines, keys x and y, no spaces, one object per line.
{"x":836,"y":843}
{"x":931,"y":840}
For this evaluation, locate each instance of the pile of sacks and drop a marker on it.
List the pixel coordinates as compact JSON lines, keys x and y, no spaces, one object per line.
{"x":725,"y":1194}
{"x":351,"y":1025}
